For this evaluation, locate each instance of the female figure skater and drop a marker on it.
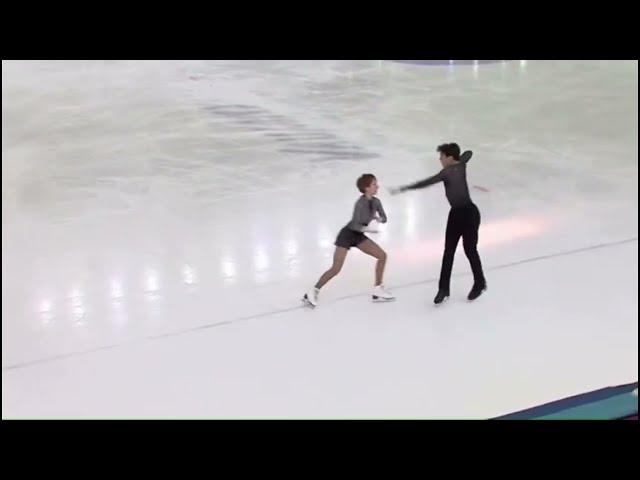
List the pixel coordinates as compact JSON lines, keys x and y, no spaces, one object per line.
{"x":367,"y":208}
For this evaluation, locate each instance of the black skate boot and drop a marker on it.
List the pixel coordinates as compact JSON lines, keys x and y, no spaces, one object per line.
{"x":476,"y":291}
{"x":440,"y":297}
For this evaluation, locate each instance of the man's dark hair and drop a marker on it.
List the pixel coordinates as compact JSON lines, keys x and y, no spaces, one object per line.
{"x":450,"y":150}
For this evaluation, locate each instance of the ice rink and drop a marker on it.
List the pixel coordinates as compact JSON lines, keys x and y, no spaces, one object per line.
{"x":162,"y":219}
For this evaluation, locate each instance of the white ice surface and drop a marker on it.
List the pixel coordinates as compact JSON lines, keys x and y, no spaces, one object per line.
{"x":160,"y":221}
